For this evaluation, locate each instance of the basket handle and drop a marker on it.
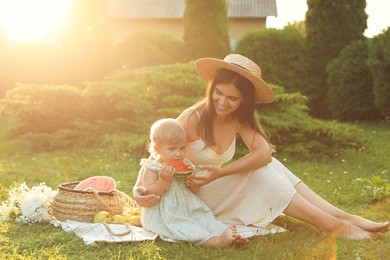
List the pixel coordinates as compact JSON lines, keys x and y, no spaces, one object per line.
{"x":128,"y":231}
{"x":97,"y":196}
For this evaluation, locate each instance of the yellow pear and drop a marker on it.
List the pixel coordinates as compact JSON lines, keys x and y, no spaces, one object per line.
{"x":135,"y":220}
{"x":102,"y":216}
{"x":126,"y":217}
{"x":133,"y":211}
{"x":117,"y":219}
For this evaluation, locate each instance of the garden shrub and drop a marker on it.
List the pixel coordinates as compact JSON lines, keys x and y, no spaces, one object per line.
{"x":350,"y":85}
{"x":147,"y":48}
{"x":206,"y":33}
{"x":294,"y":132}
{"x":144,"y":94}
{"x":118,"y":113}
{"x":43,"y":108}
{"x":330,"y":26}
{"x":108,"y":100}
{"x":279,"y":53}
{"x":379,"y":65}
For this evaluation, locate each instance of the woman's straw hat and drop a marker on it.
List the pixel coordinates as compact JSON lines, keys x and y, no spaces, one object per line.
{"x":207,"y":68}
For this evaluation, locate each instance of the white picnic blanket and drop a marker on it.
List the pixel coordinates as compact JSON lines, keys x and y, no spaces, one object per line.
{"x":91,"y":233}
{"x":95,"y":232}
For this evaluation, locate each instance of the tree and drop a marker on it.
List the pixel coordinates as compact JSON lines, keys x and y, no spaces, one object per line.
{"x":350,"y":94}
{"x":330,"y":25}
{"x":206,"y":29}
{"x":379,"y":65}
{"x":278,"y":53}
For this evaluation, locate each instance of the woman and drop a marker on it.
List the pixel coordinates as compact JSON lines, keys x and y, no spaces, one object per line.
{"x":256,"y":188}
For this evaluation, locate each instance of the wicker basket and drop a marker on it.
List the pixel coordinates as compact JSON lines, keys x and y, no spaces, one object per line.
{"x":78,"y":205}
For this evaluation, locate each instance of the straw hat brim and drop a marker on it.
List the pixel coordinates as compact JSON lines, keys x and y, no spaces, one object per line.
{"x":207,"y":68}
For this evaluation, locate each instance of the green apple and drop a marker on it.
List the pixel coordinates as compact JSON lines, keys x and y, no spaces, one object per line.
{"x":102,"y":216}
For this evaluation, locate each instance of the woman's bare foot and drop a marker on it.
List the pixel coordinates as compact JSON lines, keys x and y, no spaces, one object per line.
{"x":368,"y":224}
{"x":349,"y":231}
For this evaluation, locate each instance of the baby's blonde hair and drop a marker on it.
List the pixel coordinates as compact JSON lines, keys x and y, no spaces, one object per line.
{"x":166,"y":130}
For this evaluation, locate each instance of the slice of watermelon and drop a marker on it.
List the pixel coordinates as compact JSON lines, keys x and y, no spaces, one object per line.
{"x":98,"y":183}
{"x":181,"y":169}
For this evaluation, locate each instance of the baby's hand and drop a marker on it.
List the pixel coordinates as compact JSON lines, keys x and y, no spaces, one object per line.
{"x":167,"y":173}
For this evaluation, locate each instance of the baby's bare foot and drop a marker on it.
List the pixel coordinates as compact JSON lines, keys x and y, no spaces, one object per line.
{"x":228,"y":236}
{"x":239,"y":240}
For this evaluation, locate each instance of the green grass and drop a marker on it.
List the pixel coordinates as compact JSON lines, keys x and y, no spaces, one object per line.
{"x":332,"y":178}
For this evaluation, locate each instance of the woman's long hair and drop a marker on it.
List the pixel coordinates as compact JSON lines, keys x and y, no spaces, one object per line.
{"x":246,"y":113}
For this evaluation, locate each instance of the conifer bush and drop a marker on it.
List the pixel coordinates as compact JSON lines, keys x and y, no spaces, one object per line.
{"x":118,"y":111}
{"x":330,"y":26}
{"x":43,"y":108}
{"x":379,"y":65}
{"x":147,"y":48}
{"x":295,"y":132}
{"x":206,"y":32}
{"x":350,"y":85}
{"x":279,"y":53}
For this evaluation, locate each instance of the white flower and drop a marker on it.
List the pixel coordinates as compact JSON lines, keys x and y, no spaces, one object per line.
{"x":28,"y":205}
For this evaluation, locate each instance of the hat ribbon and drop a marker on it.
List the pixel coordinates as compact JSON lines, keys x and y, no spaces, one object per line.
{"x":239,"y":66}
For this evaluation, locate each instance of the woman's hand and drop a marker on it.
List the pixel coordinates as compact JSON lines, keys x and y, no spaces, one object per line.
{"x":144,"y":200}
{"x":197,"y":180}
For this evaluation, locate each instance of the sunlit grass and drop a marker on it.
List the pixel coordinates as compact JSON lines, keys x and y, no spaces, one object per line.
{"x":332,"y":178}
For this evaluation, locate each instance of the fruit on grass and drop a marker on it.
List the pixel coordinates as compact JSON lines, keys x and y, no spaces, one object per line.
{"x":118,"y":219}
{"x":102,"y":216}
{"x":135,"y":220}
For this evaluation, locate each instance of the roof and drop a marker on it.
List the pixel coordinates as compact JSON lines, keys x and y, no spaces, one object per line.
{"x":175,"y":8}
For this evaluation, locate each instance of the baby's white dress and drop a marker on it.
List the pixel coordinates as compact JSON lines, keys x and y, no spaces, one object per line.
{"x":180,"y":215}
{"x":255,"y":198}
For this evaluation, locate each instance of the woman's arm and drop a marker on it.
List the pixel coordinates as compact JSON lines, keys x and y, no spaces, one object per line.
{"x":141,"y":194}
{"x":260,"y":154}
{"x":157,"y":185}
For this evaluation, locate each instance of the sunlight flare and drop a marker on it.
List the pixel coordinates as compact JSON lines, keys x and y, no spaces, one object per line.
{"x":28,"y":21}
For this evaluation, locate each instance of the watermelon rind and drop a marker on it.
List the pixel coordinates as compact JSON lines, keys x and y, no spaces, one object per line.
{"x":182,"y":174}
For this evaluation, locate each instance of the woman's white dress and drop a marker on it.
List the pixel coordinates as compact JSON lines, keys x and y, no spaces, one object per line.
{"x":180,"y":215}
{"x":255,"y":198}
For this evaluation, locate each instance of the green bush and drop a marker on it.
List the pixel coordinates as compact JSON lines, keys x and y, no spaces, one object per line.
{"x":147,"y":48}
{"x":146,"y":94}
{"x":379,"y":64}
{"x":294,"y":132}
{"x":43,"y":108}
{"x":206,"y":32}
{"x":330,"y":26}
{"x":279,"y":54}
{"x":118,"y":113}
{"x":350,"y":85}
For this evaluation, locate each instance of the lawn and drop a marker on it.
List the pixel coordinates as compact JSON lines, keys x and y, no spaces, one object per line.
{"x":333,"y":178}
